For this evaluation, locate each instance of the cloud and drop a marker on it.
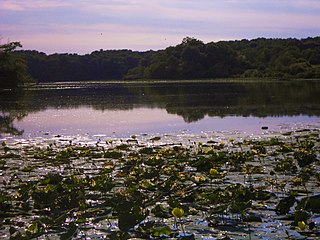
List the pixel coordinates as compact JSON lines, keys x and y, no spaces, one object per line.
{"x":306,"y":4}
{"x":10,"y":6}
{"x":85,"y":39}
{"x":144,"y":24}
{"x":27,"y":5}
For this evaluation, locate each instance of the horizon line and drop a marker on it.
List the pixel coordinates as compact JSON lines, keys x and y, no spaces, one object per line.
{"x":159,"y":49}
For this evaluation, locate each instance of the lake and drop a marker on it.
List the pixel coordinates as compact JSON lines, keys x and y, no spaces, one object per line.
{"x":122,"y":109}
{"x":200,"y":166}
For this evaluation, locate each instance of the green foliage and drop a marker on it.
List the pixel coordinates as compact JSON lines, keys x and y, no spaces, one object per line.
{"x":13,"y":69}
{"x":192,"y":59}
{"x":310,"y":204}
{"x":99,"y":65}
{"x":305,"y":157}
{"x":284,"y":205}
{"x":4,"y":201}
{"x":162,"y":230}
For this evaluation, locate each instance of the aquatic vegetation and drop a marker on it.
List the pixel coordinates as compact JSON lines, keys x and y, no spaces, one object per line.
{"x":177,"y":212}
{"x":151,"y":189}
{"x":302,"y":225}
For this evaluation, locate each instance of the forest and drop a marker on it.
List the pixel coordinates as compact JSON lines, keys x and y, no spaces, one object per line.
{"x":191,"y":59}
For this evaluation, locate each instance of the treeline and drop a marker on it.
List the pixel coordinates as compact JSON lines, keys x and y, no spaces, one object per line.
{"x":192,"y":59}
{"x":99,"y":65}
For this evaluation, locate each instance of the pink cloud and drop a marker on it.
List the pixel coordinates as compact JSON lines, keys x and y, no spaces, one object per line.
{"x":25,"y":5}
{"x":76,"y":26}
{"x":10,"y":6}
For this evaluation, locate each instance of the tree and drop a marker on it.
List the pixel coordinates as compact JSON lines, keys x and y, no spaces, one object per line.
{"x":191,"y":59}
{"x":9,"y":47}
{"x":13,"y":70}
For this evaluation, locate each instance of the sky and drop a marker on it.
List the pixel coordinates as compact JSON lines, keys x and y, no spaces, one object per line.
{"x":83,"y":26}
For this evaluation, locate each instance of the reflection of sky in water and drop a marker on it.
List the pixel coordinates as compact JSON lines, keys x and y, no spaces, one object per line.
{"x":145,"y":120}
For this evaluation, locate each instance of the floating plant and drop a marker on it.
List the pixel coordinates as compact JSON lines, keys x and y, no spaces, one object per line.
{"x":123,"y":189}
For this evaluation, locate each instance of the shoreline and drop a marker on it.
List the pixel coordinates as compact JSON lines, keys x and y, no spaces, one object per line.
{"x":168,"y":81}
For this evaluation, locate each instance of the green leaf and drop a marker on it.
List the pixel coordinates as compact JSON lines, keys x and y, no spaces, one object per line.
{"x":158,"y":231}
{"x":71,"y":232}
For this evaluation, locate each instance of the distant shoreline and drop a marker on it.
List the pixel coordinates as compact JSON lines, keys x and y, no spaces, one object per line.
{"x":151,"y":81}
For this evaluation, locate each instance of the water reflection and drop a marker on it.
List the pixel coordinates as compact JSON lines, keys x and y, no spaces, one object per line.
{"x":166,"y":102}
{"x":12,"y":107}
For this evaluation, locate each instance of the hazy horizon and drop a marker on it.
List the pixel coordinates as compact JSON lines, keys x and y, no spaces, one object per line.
{"x":134,"y":50}
{"x":69,"y":26}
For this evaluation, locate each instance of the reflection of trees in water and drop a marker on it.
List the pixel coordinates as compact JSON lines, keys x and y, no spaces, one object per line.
{"x":6,"y":125}
{"x":192,"y":101}
{"x":13,"y":106}
{"x":255,"y":99}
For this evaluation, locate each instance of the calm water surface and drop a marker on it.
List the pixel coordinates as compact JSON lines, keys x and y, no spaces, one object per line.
{"x":123,"y":109}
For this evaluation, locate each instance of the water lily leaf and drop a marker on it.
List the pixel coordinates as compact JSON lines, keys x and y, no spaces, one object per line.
{"x":239,"y":207}
{"x":123,"y":147}
{"x":284,"y":205}
{"x":203,"y":164}
{"x":160,"y":212}
{"x":2,"y":164}
{"x":251,"y":218}
{"x":146,"y":150}
{"x":9,"y":155}
{"x":146,"y":184}
{"x":5,"y":200}
{"x":301,"y":216}
{"x":305,"y":157}
{"x":286,"y":165}
{"x":52,"y":178}
{"x":126,"y":221}
{"x":310,"y":204}
{"x":220,"y":208}
{"x":33,"y":231}
{"x":154,"y":160}
{"x":71,"y":232}
{"x":263,"y":195}
{"x":102,"y":182}
{"x":159,"y":231}
{"x":155,"y":138}
{"x":28,"y":169}
{"x":113,"y":154}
